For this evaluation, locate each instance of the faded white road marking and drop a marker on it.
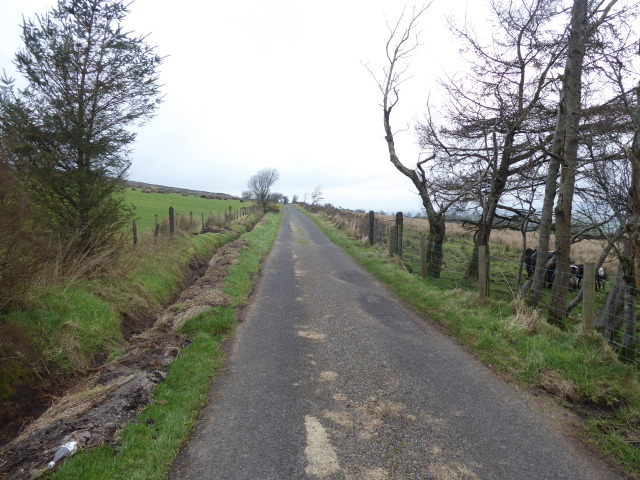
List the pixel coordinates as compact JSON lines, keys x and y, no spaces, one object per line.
{"x":322,"y":460}
{"x":370,"y":474}
{"x":328,"y":376}
{"x":454,"y":471}
{"x":311,"y":335}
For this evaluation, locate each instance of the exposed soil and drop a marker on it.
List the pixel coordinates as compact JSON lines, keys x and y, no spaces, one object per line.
{"x":111,"y":395}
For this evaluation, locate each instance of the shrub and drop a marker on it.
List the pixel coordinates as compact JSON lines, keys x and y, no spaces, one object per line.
{"x":23,"y":248}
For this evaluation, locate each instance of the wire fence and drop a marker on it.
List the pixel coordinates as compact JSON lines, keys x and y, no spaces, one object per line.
{"x":192,"y":223}
{"x":594,"y":301}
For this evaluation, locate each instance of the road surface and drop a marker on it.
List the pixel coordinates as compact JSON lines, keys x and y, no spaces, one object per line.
{"x":330,"y":377}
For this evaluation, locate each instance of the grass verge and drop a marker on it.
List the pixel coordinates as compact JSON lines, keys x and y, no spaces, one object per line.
{"x":149,"y":446}
{"x":577,"y":368}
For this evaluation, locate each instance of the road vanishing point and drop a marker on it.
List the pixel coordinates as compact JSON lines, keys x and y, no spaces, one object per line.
{"x":329,"y":376}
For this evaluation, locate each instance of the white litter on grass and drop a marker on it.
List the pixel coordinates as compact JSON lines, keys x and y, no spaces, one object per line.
{"x":64,"y":451}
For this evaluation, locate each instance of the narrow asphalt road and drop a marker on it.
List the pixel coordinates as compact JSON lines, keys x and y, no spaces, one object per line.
{"x":330,"y":377}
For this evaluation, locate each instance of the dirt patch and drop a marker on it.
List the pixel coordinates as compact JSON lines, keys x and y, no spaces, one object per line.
{"x":110,"y":396}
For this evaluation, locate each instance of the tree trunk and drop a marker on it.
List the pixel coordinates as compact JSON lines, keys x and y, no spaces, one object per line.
{"x":498,"y":184}
{"x":633,"y":230}
{"x":628,"y":351}
{"x":610,"y":314}
{"x":572,"y":87}
{"x":437,"y":230}
{"x":617,"y":317}
{"x":437,"y":227}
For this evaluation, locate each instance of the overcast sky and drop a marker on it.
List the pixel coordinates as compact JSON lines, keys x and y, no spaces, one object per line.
{"x":276,"y":83}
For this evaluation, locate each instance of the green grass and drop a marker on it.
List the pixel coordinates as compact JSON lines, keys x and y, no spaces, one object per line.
{"x":149,"y":204}
{"x":68,"y":326}
{"x":579,"y":369}
{"x":149,"y":445}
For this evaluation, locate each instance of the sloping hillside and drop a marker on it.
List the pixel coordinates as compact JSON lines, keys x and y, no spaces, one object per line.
{"x":186,"y":191}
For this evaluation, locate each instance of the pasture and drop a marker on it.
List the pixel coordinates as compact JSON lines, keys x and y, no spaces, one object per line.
{"x":147,"y":205}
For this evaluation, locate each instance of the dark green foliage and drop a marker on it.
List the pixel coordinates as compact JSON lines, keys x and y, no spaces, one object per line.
{"x":68,"y":131}
{"x":21,"y":245}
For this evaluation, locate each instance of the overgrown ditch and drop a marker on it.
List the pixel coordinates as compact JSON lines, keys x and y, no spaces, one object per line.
{"x":96,"y":406}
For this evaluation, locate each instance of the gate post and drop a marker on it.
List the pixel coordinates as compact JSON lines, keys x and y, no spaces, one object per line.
{"x":399,"y":228}
{"x":372,"y":227}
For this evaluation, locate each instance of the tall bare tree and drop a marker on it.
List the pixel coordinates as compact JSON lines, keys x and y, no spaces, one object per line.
{"x":493,"y":113}
{"x":260,"y":186}
{"x":400,"y":47}
{"x":586,"y":17}
{"x":619,"y":128}
{"x":317,"y":195}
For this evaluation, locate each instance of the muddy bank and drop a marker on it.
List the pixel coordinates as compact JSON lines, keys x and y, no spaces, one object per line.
{"x":110,"y":396}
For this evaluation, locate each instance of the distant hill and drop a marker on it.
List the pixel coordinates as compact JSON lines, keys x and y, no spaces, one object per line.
{"x":185,"y":191}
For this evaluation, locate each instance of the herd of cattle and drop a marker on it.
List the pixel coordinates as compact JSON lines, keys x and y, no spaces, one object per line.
{"x":577,"y":271}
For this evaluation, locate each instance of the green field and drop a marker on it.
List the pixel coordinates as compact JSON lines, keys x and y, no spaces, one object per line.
{"x":149,"y":204}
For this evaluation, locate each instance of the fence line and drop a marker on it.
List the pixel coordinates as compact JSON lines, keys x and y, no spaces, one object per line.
{"x":176,"y":222}
{"x":610,"y":309}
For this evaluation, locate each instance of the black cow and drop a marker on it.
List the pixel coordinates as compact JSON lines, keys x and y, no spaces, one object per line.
{"x":530,"y":259}
{"x":528,"y":264}
{"x":577,"y":274}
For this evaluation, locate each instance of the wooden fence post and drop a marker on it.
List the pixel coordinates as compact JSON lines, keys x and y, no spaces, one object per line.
{"x":172,"y":221}
{"x":588,"y":296}
{"x":135,"y":232}
{"x":399,"y":229}
{"x":202,"y":215}
{"x":156,"y":226}
{"x":190,"y":220}
{"x":393,"y":240}
{"x":372,"y":228}
{"x":423,"y":255}
{"x":483,"y":278}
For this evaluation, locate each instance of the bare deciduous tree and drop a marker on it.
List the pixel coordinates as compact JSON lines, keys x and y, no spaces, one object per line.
{"x":586,"y":17}
{"x":260,"y":186}
{"x":491,"y":113}
{"x":316,"y":195}
{"x":401,"y":45}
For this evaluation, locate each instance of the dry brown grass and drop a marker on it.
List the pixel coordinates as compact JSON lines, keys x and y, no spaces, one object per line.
{"x":68,"y":265}
{"x":559,"y":386}
{"x":525,"y":320}
{"x":581,"y":252}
